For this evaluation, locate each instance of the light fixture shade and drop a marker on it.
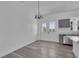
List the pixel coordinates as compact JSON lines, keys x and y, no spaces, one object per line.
{"x":38,"y":17}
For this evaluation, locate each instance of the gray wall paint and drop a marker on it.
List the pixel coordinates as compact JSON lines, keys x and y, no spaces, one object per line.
{"x":17,"y":25}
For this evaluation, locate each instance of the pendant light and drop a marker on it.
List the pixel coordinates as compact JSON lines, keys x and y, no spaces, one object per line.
{"x":38,"y":16}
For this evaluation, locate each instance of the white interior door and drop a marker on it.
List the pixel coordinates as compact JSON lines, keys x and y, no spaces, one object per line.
{"x":48,"y":30}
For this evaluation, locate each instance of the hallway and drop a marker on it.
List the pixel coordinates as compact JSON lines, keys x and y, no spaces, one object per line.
{"x":43,"y":49}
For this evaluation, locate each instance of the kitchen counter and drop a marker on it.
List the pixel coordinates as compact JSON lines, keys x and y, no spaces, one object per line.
{"x":75,"y":40}
{"x":61,"y":37}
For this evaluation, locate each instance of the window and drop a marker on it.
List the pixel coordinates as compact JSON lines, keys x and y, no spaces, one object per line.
{"x":78,"y":23}
{"x":51,"y":26}
{"x":44,"y":27}
{"x":74,"y":25}
{"x":48,"y":27}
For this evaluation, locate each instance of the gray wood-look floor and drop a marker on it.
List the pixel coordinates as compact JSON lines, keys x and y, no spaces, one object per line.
{"x":43,"y":49}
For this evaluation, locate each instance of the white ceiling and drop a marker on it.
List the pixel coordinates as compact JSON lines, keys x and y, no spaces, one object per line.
{"x":53,"y":7}
{"x":46,"y":7}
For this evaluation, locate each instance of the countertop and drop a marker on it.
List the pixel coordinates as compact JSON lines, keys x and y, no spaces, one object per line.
{"x":74,"y":38}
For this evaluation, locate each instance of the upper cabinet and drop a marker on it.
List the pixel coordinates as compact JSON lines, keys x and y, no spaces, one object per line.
{"x":74,"y":24}
{"x":64,"y":23}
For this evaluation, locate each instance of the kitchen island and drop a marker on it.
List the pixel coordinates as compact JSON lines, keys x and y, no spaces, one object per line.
{"x":75,"y":40}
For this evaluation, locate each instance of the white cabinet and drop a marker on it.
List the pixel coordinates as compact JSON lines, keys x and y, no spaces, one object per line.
{"x":76,"y":49}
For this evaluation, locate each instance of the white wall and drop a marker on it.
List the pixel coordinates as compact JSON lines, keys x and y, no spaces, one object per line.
{"x":17,"y":25}
{"x":19,"y":28}
{"x":54,"y":36}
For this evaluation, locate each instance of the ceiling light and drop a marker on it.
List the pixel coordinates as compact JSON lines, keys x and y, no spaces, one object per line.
{"x":38,"y":16}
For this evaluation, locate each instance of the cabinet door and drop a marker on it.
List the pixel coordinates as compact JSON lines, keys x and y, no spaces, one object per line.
{"x":61,"y":38}
{"x":64,"y":23}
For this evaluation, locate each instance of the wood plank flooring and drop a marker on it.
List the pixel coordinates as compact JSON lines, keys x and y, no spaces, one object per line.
{"x":43,"y":49}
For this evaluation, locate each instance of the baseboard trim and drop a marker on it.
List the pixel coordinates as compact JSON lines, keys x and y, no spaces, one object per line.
{"x":17,"y":48}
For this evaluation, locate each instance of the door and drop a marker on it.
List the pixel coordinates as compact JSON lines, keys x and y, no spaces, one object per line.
{"x":48,"y":30}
